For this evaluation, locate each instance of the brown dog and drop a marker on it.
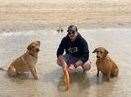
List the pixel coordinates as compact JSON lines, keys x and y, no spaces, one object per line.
{"x":26,"y":62}
{"x":104,"y":63}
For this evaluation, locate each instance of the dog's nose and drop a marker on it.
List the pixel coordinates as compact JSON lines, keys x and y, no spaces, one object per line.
{"x":98,"y":56}
{"x":37,"y":49}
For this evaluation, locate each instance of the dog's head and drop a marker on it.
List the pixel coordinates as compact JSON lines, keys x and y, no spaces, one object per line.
{"x":100,"y":52}
{"x":34,"y":47}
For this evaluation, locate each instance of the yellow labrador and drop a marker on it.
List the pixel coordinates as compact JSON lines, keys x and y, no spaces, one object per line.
{"x":104,"y":63}
{"x":26,"y":62}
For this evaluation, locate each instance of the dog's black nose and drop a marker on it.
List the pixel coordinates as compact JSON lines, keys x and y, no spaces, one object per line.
{"x":98,"y":56}
{"x":37,"y":49}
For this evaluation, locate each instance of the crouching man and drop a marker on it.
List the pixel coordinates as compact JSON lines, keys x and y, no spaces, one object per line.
{"x":76,"y":51}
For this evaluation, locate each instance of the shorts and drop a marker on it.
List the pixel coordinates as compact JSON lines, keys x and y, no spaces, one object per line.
{"x":69,"y":59}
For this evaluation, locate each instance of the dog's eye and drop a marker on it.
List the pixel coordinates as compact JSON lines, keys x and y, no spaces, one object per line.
{"x":100,"y":51}
{"x":97,"y":51}
{"x":33,"y":46}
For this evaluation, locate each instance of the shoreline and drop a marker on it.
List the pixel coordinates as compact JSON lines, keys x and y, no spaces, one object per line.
{"x":20,"y":26}
{"x":34,"y":15}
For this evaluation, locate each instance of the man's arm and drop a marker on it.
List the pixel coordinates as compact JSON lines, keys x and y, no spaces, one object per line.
{"x":85,"y":55}
{"x":61,"y":47}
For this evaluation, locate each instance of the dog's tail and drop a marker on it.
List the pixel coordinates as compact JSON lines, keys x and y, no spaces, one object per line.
{"x":2,"y":69}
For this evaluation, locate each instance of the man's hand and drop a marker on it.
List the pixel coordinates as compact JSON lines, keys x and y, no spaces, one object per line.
{"x":71,"y":68}
{"x":62,"y":61}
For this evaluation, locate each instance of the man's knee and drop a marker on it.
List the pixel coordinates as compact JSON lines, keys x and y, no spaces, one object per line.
{"x":59,"y":63}
{"x":87,"y":66}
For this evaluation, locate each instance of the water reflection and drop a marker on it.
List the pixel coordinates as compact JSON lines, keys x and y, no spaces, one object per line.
{"x":79,"y":78}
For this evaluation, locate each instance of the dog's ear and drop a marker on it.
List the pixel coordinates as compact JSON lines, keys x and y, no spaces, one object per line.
{"x":38,"y":42}
{"x":29,"y":47}
{"x":95,"y":50}
{"x":106,"y":52}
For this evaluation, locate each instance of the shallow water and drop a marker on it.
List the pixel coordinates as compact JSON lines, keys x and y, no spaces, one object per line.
{"x":116,"y":41}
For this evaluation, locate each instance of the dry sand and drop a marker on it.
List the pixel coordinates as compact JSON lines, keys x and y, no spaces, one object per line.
{"x":38,"y":14}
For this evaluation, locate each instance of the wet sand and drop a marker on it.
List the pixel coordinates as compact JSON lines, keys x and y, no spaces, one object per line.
{"x":102,"y":23}
{"x":116,"y":41}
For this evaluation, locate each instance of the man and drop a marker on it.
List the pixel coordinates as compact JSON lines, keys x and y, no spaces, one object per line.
{"x":76,"y":48}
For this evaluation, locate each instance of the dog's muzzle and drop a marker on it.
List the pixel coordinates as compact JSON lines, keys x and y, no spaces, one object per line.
{"x":37,"y":49}
{"x":98,"y":57}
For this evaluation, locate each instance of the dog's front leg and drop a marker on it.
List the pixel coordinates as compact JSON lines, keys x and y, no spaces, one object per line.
{"x":98,"y":73}
{"x":108,"y":76}
{"x":34,"y":73}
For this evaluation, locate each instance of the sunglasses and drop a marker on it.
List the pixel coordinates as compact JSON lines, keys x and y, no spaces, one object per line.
{"x":71,"y":32}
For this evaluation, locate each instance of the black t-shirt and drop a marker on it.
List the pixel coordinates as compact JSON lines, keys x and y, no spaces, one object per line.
{"x":77,"y":48}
